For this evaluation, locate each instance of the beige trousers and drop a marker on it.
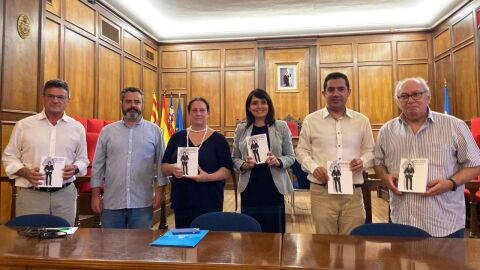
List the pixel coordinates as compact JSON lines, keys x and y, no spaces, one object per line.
{"x":336,"y":214}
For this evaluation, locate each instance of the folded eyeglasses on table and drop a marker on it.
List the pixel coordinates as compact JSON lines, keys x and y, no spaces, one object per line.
{"x":43,"y":233}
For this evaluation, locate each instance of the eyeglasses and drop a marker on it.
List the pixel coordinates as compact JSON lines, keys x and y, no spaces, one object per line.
{"x":43,"y":233}
{"x":414,"y":96}
{"x":59,"y":97}
{"x":198,"y":110}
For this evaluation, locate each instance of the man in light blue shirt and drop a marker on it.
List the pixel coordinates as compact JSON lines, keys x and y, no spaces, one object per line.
{"x":128,"y":153}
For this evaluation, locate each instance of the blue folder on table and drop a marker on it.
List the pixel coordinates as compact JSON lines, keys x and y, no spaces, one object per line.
{"x":179,"y":240}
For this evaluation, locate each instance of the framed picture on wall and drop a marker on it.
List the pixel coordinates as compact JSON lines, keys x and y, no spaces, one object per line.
{"x":286,"y":75}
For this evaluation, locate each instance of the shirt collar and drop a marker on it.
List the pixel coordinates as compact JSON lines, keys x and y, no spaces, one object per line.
{"x":325,"y":113}
{"x":64,"y":117}
{"x":139,"y":122}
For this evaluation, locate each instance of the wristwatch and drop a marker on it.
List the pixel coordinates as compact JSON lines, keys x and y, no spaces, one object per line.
{"x":454,"y":187}
{"x":77,"y":170}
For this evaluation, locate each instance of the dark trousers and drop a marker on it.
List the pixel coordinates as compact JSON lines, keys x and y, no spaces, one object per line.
{"x":262,"y":201}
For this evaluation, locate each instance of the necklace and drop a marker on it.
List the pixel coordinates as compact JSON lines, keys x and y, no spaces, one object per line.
{"x":197,"y":131}
{"x":204,"y":135}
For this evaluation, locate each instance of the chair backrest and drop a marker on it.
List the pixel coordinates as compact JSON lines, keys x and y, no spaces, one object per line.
{"x":38,"y":220}
{"x":302,"y":181}
{"x":226,"y":221}
{"x":389,"y":229}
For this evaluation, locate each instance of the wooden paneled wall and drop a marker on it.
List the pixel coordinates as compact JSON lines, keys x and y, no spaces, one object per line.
{"x":94,"y":50}
{"x":223,"y":73}
{"x":456,"y":61}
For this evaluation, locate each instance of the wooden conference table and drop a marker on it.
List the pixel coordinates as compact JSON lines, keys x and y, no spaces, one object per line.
{"x":129,"y":249}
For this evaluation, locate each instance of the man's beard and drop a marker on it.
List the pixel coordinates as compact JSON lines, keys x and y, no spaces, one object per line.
{"x":131,"y":114}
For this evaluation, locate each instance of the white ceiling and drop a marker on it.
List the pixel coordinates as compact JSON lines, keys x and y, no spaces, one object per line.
{"x":205,"y":20}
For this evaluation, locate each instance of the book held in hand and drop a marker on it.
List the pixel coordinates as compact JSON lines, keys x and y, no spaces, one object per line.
{"x":52,"y":168}
{"x":187,"y":159}
{"x":257,"y":147}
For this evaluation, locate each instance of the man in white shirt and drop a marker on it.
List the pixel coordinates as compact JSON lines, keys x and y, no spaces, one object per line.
{"x":50,"y":133}
{"x":335,"y":133}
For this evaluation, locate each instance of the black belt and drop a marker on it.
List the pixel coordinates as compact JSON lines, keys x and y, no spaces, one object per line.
{"x":324,"y":185}
{"x":55,"y":189}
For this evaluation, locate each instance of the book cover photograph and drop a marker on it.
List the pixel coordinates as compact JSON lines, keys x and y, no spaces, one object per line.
{"x":52,"y":168}
{"x":340,"y":179}
{"x":413,"y":175}
{"x":187,"y":159}
{"x":257,"y":147}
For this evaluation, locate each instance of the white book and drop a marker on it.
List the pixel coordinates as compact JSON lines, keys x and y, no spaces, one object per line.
{"x":413,"y":174}
{"x":257,"y":147}
{"x":340,"y":180}
{"x":52,"y":168}
{"x":187,"y":159}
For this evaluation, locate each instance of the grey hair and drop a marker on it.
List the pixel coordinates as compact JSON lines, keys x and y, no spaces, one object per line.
{"x":131,"y":90}
{"x":418,"y":80}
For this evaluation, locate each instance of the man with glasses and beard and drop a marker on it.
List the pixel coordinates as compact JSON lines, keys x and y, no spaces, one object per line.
{"x":128,"y":154}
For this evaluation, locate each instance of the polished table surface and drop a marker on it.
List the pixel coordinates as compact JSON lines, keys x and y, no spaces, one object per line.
{"x":313,"y":251}
{"x":130,"y":249}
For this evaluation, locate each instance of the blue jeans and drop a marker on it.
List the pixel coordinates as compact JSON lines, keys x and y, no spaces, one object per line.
{"x":128,"y":218}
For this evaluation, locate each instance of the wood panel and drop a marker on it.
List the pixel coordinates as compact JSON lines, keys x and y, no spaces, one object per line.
{"x":207,"y":84}
{"x":149,"y":87}
{"x":295,"y":104}
{"x":150,"y":55}
{"x":20,"y":57}
{"x":174,"y":80}
{"x":109,"y":84}
{"x":376,"y":93}
{"x":174,"y":59}
{"x":412,"y":70}
{"x":412,"y":50}
{"x":131,"y":73}
{"x":79,"y":73}
{"x":54,"y":6}
{"x":441,"y":43}
{"x":443,"y":72}
{"x":368,"y":52}
{"x":81,"y":15}
{"x":131,"y":44}
{"x":238,"y":85}
{"x":463,"y":30}
{"x":345,"y":70}
{"x":239,"y":57}
{"x":466,"y":98}
{"x":5,"y":188}
{"x":335,"y":53}
{"x":205,"y":58}
{"x":52,"y":50}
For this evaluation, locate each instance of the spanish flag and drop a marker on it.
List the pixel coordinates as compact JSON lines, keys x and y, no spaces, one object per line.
{"x":164,"y":120}
{"x":154,"y":116}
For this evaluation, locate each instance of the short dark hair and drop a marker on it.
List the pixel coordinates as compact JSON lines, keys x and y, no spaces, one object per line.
{"x":56,"y":84}
{"x":130,"y":89}
{"x":189,"y":106}
{"x":335,"y":75}
{"x":261,"y":94}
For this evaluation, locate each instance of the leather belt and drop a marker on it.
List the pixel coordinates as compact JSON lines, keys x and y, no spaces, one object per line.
{"x":55,"y":189}
{"x":324,"y":185}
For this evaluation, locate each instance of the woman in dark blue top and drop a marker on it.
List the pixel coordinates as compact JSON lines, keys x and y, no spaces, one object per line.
{"x":195,"y":195}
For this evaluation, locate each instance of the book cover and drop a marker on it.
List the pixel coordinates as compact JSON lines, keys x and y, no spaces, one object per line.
{"x":187,"y":159}
{"x":179,"y":240}
{"x":257,"y":147}
{"x":52,"y":168}
{"x":413,"y":174}
{"x":340,"y":180}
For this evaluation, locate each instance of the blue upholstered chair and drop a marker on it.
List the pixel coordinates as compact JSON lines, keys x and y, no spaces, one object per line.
{"x":300,"y":183}
{"x":38,"y":220}
{"x":226,"y":221}
{"x":389,"y":229}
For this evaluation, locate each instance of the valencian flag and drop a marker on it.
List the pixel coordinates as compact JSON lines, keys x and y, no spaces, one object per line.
{"x":164,"y":120}
{"x":446,"y":104}
{"x":179,"y":115}
{"x":171,"y":117}
{"x":154,"y":116}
